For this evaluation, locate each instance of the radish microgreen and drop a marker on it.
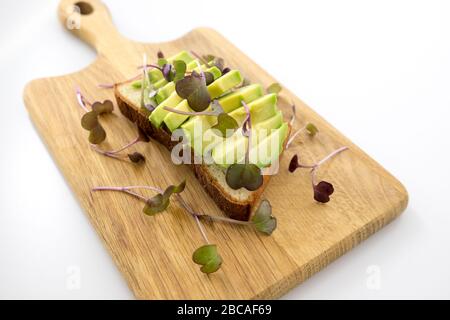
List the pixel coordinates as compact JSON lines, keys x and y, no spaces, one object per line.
{"x":310,"y":128}
{"x":90,"y":121}
{"x":323,"y":189}
{"x":206,"y":255}
{"x":193,"y":89}
{"x":245,"y":175}
{"x":161,"y":201}
{"x":263,"y":220}
{"x":274,"y":88}
{"x":134,"y":157}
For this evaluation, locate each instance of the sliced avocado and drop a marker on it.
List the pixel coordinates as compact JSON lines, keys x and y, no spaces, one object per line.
{"x":157,"y":115}
{"x":227,"y":152}
{"x":260,"y":109}
{"x":160,"y":83}
{"x":224,"y":83}
{"x":233,"y":100}
{"x":165,"y":92}
{"x":273,"y":122}
{"x":174,"y":120}
{"x":229,"y":103}
{"x":269,"y":149}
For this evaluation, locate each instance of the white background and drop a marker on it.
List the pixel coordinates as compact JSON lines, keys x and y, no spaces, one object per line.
{"x":378,"y":70}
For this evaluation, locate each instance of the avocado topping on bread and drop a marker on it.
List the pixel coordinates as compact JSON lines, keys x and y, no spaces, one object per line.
{"x":175,"y":110}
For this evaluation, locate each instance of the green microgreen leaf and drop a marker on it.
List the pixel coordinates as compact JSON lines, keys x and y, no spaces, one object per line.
{"x":311,"y":129}
{"x":161,"y":201}
{"x":188,"y":85}
{"x":89,"y":120}
{"x":199,"y":99}
{"x":263,"y":220}
{"x":97,"y":135}
{"x":180,"y":70}
{"x":162,"y":62}
{"x":244,"y":175}
{"x":137,"y":84}
{"x":226,"y":125}
{"x":209,"y":78}
{"x":103,"y":107}
{"x":156,"y":204}
{"x":214,"y":61}
{"x":208,"y":257}
{"x":193,"y":89}
{"x":274,"y":88}
{"x":208,"y":57}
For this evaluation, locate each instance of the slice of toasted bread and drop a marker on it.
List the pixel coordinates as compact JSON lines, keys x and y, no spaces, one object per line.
{"x":237,"y":204}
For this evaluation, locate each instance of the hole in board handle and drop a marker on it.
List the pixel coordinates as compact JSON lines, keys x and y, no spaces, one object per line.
{"x":85,"y":8}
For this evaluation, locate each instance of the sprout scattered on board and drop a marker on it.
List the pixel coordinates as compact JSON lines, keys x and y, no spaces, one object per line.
{"x":207,"y":255}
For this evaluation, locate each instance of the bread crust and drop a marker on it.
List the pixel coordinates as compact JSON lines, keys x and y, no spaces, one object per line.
{"x":239,"y":210}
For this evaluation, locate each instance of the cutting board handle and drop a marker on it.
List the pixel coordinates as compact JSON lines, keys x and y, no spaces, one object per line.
{"x":91,"y":21}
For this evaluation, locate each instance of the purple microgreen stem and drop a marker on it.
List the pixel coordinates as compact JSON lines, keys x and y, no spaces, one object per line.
{"x":113,"y":152}
{"x":128,"y":190}
{"x":111,"y":85}
{"x":331,"y":155}
{"x":322,"y":189}
{"x":309,"y":127}
{"x":201,"y":113}
{"x":202,"y":74}
{"x":294,"y":135}
{"x":316,"y":165}
{"x":203,"y":60}
{"x":294,"y":113}
{"x":152,"y":66}
{"x":201,"y":229}
{"x":105,"y":85}
{"x":82,"y":101}
{"x":247,"y":130}
{"x":145,"y":71}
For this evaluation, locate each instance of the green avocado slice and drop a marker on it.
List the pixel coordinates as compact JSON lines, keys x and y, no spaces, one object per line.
{"x":260,"y":109}
{"x":268,"y":150}
{"x":157,"y":115}
{"x":165,"y":92}
{"x":233,"y":148}
{"x":233,"y":78}
{"x":234,"y":100}
{"x":196,"y":128}
{"x":224,"y":83}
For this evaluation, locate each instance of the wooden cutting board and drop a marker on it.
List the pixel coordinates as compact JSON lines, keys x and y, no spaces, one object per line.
{"x":154,"y":253}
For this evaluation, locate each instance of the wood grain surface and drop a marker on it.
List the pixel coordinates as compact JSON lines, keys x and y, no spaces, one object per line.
{"x":154,"y":253}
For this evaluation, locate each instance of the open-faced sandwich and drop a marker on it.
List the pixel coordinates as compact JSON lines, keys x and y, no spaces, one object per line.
{"x":233,"y":133}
